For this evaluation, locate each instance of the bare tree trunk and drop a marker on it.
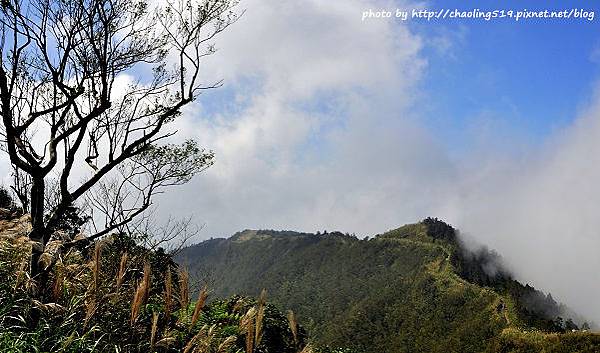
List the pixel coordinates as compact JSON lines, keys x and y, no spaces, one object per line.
{"x":37,"y":223}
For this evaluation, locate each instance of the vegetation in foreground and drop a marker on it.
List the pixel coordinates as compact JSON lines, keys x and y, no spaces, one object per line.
{"x":120,"y":297}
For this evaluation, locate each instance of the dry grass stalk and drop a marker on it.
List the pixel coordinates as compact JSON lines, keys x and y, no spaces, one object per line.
{"x":146,"y":280}
{"x":262,"y":298}
{"x":188,"y":347}
{"x":90,"y":309}
{"x":166,"y":342}
{"x":202,"y":296}
{"x":122,"y":269}
{"x":203,"y":337}
{"x":141,"y":294}
{"x":250,"y":338}
{"x":225,"y":346}
{"x":207,"y":343}
{"x":58,"y":284}
{"x":137,"y":302}
{"x":260,"y":314}
{"x":184,"y":289}
{"x":168,"y":294}
{"x":21,"y":272}
{"x":239,"y":304}
{"x":247,"y":325}
{"x":293,"y":325}
{"x":154,"y":329}
{"x":96,"y":264}
{"x":23,"y":277}
{"x":48,"y":308}
{"x":307,"y":349}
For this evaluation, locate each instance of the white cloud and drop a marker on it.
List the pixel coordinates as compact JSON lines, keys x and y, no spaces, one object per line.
{"x":363,"y":163}
{"x":353,"y":163}
{"x":541,"y":212}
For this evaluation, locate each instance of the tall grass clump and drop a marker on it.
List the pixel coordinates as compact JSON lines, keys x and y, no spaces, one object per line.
{"x":116,"y":296}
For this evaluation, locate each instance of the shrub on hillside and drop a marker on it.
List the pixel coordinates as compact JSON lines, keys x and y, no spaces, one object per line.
{"x":6,"y":199}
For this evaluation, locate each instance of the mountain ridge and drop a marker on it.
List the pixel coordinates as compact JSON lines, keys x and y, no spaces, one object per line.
{"x":378,"y":294}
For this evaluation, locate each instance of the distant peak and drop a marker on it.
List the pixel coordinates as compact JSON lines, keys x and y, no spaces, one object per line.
{"x":438,"y":229}
{"x":245,"y":235}
{"x":262,"y":234}
{"x":429,"y":228}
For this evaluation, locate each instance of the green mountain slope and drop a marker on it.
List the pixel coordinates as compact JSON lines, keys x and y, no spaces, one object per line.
{"x":413,"y":289}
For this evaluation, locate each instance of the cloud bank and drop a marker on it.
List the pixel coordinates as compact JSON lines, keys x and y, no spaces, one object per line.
{"x":541,"y":212}
{"x":325,"y":138}
{"x":319,"y":132}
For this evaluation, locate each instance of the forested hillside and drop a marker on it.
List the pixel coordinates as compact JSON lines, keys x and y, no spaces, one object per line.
{"x":413,"y":289}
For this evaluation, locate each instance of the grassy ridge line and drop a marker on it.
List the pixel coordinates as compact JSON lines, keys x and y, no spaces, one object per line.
{"x":447,"y":280}
{"x":397,"y":292}
{"x":444,"y":269}
{"x":398,"y":281}
{"x":516,"y":336}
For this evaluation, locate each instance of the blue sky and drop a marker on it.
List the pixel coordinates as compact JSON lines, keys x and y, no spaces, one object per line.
{"x":530,"y":76}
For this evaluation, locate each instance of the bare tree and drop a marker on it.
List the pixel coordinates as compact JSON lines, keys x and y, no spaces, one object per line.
{"x":62,"y":107}
{"x":118,"y":200}
{"x":173,"y":235}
